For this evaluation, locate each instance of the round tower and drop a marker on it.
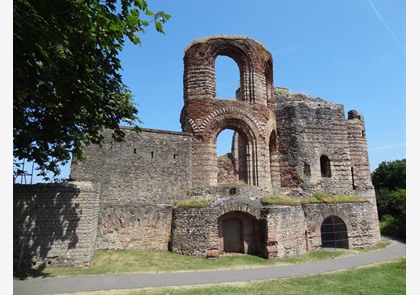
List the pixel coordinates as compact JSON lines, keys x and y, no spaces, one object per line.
{"x":250,"y":114}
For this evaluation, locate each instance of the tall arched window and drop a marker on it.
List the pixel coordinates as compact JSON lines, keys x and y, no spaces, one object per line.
{"x":325,"y":166}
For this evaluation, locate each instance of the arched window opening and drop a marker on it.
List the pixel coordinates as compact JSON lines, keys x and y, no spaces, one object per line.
{"x":334,"y":233}
{"x":307,"y":169}
{"x":274,"y":163}
{"x":227,"y":78}
{"x":325,"y":166}
{"x":269,"y":79}
{"x":226,"y":172}
{"x":236,"y":161}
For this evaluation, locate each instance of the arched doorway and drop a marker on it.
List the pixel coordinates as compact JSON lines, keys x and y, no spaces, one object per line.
{"x":238,"y":232}
{"x":334,"y":233}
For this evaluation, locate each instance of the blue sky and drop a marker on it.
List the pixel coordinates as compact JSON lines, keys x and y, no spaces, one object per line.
{"x":347,"y":52}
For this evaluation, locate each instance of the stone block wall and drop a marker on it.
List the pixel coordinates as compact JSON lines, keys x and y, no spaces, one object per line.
{"x":309,"y":128}
{"x":55,"y":224}
{"x":145,"y":227}
{"x":193,"y":231}
{"x":360,"y":168}
{"x":359,"y":217}
{"x":286,"y":228}
{"x":149,"y":167}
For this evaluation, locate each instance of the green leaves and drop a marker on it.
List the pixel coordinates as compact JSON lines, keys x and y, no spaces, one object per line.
{"x":66,"y":74}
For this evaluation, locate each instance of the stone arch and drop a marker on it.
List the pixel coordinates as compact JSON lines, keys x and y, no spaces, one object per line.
{"x":239,"y":228}
{"x":245,"y":144}
{"x":238,"y":232}
{"x":249,"y":115}
{"x":331,"y":211}
{"x":334,"y":233}
{"x":234,"y":51}
{"x":240,"y":207}
{"x":253,"y":60}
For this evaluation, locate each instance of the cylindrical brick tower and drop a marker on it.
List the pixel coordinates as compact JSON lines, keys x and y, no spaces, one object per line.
{"x":251,"y":115}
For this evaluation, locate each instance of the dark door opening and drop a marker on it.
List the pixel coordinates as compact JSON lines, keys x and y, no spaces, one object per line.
{"x":232,"y":236}
{"x":334,"y":233}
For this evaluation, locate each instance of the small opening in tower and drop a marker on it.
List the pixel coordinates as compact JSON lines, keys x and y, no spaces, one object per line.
{"x":325,"y":166}
{"x":307,"y":169}
{"x":175,"y":156}
{"x":135,"y":151}
{"x":151,"y":154}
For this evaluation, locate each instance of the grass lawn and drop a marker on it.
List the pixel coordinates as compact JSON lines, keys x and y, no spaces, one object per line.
{"x":386,"y":278}
{"x":131,"y":261}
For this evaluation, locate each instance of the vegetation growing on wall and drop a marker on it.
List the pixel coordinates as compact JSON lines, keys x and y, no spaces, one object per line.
{"x":278,"y":199}
{"x":333,"y":199}
{"x":193,"y":203}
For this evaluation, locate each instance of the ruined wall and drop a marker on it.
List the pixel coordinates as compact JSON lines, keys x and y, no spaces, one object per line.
{"x":309,"y":128}
{"x":140,"y":179}
{"x":134,"y":227}
{"x":359,"y":218}
{"x":193,"y":231}
{"x":360,"y":168}
{"x":251,"y":114}
{"x":150,"y":167}
{"x":55,"y":224}
{"x":286,"y":228}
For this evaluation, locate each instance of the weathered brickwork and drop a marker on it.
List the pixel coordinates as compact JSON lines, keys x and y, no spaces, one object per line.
{"x":282,"y":143}
{"x":55,"y":224}
{"x":150,"y":167}
{"x":191,"y":231}
{"x":143,"y":227}
{"x":286,"y":228}
{"x":358,"y":217}
{"x":311,"y":128}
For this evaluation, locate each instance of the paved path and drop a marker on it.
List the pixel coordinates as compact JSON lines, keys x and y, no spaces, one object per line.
{"x":130,"y":281}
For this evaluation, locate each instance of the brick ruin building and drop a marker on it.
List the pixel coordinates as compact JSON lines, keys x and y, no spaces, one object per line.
{"x":123,"y":196}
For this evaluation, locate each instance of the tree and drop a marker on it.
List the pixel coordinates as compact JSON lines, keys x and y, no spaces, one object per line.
{"x":390,"y":175}
{"x":389,"y":180}
{"x":67,"y":86}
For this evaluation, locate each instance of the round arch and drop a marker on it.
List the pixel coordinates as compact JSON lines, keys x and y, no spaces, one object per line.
{"x":244,"y":149}
{"x":239,"y":232}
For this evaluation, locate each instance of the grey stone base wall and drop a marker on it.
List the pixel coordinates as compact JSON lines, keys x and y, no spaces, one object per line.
{"x":140,"y":227}
{"x":55,"y":224}
{"x":193,"y":231}
{"x":362,"y":229}
{"x":286,"y":231}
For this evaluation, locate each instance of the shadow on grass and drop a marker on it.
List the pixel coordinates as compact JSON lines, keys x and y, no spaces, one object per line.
{"x":28,"y":272}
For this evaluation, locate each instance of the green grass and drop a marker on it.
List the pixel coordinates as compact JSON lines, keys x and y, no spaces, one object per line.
{"x":330,"y":199}
{"x":193,"y":203}
{"x":279,"y":200}
{"x":131,"y":261}
{"x":378,"y":279}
